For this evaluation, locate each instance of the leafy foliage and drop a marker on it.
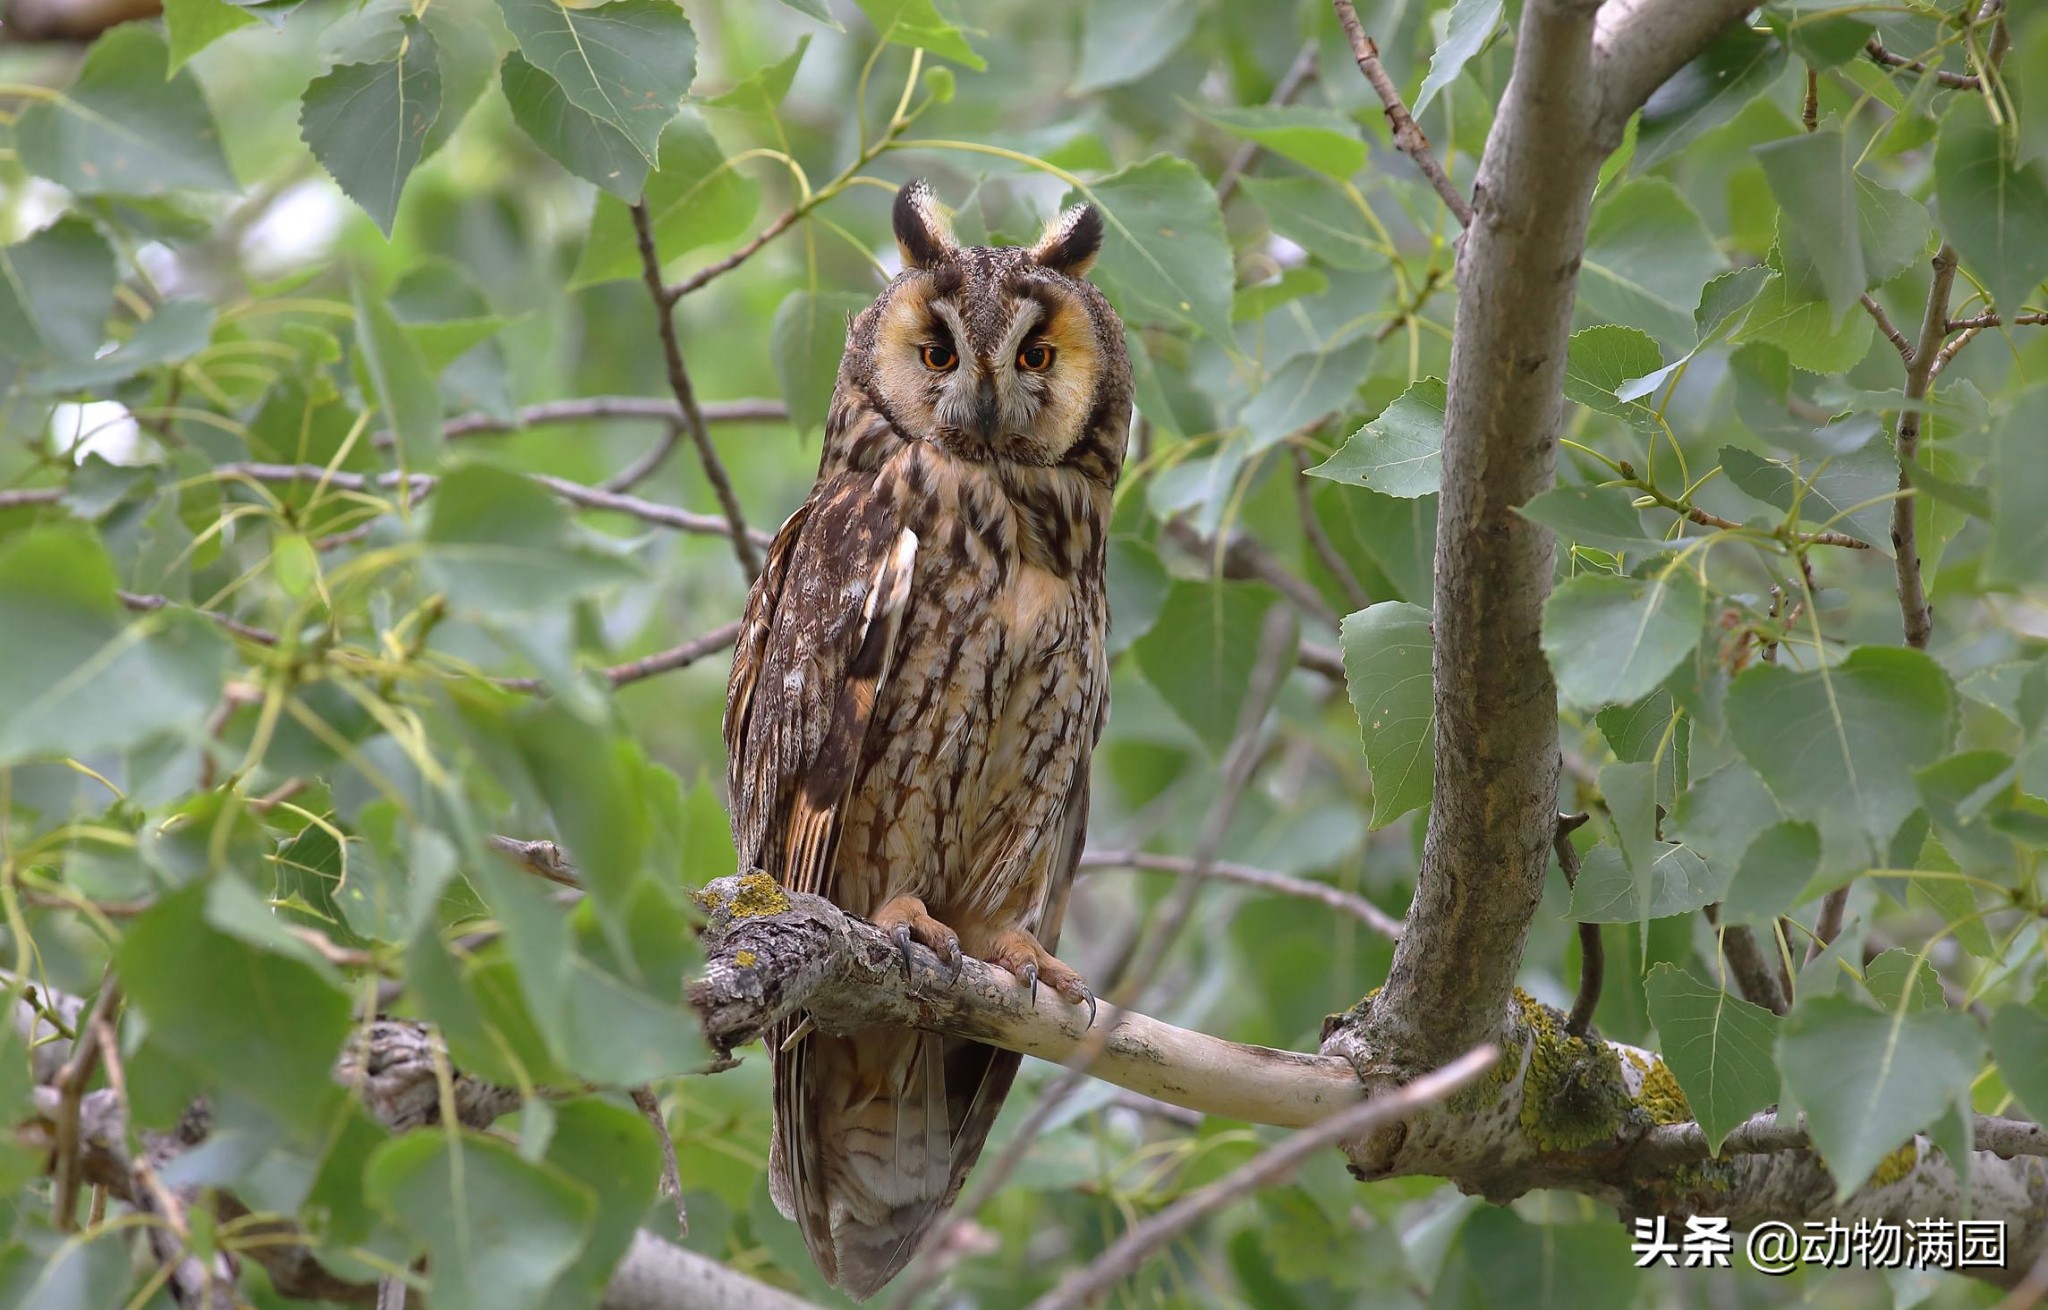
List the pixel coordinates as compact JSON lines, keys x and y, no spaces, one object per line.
{"x":342,"y":489}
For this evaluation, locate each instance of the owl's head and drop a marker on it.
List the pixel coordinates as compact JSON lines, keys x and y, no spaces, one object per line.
{"x":998,"y":353}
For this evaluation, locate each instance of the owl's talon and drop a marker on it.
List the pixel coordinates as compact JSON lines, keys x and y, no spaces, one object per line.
{"x":1029,"y":975}
{"x":1089,"y":992}
{"x":902,"y":936}
{"x":907,"y":922}
{"x":1030,"y":963}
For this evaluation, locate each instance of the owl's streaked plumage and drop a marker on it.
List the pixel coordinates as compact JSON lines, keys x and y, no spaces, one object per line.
{"x":918,"y":686}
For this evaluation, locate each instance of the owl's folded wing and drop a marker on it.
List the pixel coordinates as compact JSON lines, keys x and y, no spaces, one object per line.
{"x":815,"y":648}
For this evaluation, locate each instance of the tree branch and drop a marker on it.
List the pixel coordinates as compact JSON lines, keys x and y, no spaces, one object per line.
{"x":1957,"y":81}
{"x":1271,"y":1166}
{"x":1408,"y":136}
{"x":1919,"y":373}
{"x":1642,"y":43}
{"x":1335,"y":898}
{"x":584,"y":409}
{"x":686,"y":395}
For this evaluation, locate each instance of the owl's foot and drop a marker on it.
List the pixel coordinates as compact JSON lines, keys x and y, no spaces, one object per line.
{"x":906,"y":920}
{"x":1019,"y":952}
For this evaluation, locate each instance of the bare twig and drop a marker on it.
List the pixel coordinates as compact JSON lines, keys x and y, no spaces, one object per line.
{"x":1809,"y":113}
{"x":649,"y":1106}
{"x":1298,"y":75}
{"x":2032,"y":318}
{"x":1889,"y":328}
{"x":645,"y":467}
{"x":21,"y":497}
{"x":1321,"y":659}
{"x":1829,"y":925}
{"x":1919,"y":372}
{"x":1408,"y":137}
{"x":667,"y":661}
{"x":1683,"y":1143}
{"x":686,"y":396}
{"x":149,"y":603}
{"x":583,"y":409}
{"x":71,"y":1081}
{"x":1270,"y":1166}
{"x":1957,"y":81}
{"x":1319,"y":540}
{"x":1754,"y":976}
{"x":1245,"y":558}
{"x":1592,"y":949}
{"x":1335,"y":898}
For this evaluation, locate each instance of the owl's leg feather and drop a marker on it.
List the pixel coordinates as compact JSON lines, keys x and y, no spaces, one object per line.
{"x":906,"y":919}
{"x":1016,"y":950}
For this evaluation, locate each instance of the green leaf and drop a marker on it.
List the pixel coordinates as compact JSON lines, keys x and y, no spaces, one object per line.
{"x":1837,"y":746}
{"x":1899,"y":977}
{"x":1602,"y":360}
{"x":1719,"y":814}
{"x":2019,"y":1042}
{"x":1400,"y":453}
{"x":1869,"y":1080}
{"x":178,"y":330}
{"x":367,"y":123}
{"x":1963,"y":794}
{"x":1470,"y":25}
{"x":1736,"y":67}
{"x":1647,"y":254}
{"x":1499,"y":1259}
{"x":816,"y":9}
{"x":126,"y":126}
{"x":1993,"y":207}
{"x":1675,"y":881}
{"x":399,"y":379}
{"x":1894,"y":230}
{"x":1612,"y":640}
{"x":183,"y":973}
{"x":193,"y":25}
{"x":498,"y":1230}
{"x":626,"y":64}
{"x":2018,"y":556}
{"x":1201,"y":652}
{"x":693,"y":200}
{"x":1847,"y":493}
{"x":1604,"y":518}
{"x":761,"y":91}
{"x":1719,"y":1047}
{"x":1387,"y":671}
{"x":807,"y":340}
{"x":1814,"y":178}
{"x":919,"y":23}
{"x":498,"y":544}
{"x":1805,"y":329}
{"x":1165,"y":258}
{"x":585,"y":145}
{"x":612,"y":1152}
{"x":56,"y":290}
{"x":1255,"y":302}
{"x":1321,"y":139}
{"x":1778,"y":863}
{"x":1318,"y":218}
{"x":1123,"y":40}
{"x":1305,"y":389}
{"x":76,"y":675}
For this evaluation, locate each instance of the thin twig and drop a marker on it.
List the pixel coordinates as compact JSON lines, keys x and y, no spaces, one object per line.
{"x":1919,"y":620}
{"x":1886,"y":326}
{"x":645,"y":467}
{"x":1298,"y":75}
{"x":1754,"y":976}
{"x":583,"y":409}
{"x":686,"y":395}
{"x":1829,"y":925}
{"x":667,"y":661}
{"x":1319,"y":540}
{"x":1335,"y":898}
{"x":1245,"y":558}
{"x":1809,"y":113}
{"x":1269,"y":1167}
{"x":2032,"y":318}
{"x":782,"y":223}
{"x":1321,"y":659}
{"x":1958,"y":81}
{"x":1408,"y":137}
{"x":1683,"y":1143}
{"x":21,"y":497}
{"x":1592,"y":949}
{"x":649,"y":1106}
{"x":71,"y":1082}
{"x":149,"y":603}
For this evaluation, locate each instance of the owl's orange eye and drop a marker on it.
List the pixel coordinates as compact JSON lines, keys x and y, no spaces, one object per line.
{"x":940,"y":359}
{"x":1035,"y":359}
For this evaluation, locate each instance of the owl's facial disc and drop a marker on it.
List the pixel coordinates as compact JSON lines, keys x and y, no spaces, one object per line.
{"x":999,"y":366}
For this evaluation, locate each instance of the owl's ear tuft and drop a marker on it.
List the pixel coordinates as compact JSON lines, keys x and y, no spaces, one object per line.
{"x":1071,"y":241}
{"x":921,"y":231}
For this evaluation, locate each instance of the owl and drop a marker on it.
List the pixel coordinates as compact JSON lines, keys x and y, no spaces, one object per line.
{"x":920,"y":680}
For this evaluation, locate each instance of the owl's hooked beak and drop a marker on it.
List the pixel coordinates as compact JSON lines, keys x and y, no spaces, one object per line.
{"x":987,"y":413}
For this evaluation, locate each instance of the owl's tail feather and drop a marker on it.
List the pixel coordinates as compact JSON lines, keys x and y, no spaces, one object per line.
{"x":874,"y":1135}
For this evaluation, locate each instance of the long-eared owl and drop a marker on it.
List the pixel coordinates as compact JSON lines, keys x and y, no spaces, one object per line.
{"x":920,"y":680}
